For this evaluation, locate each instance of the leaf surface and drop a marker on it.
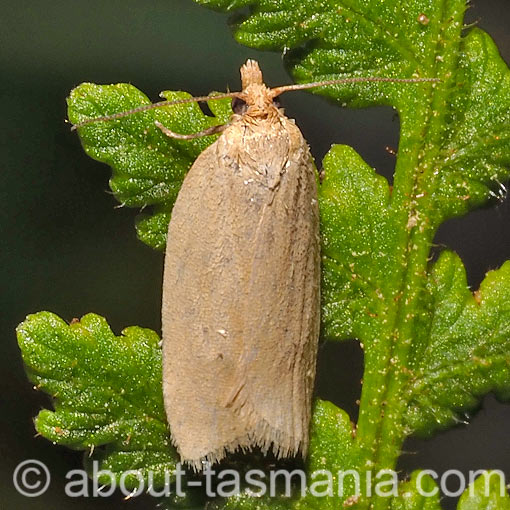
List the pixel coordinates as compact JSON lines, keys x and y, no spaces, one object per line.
{"x":106,"y":392}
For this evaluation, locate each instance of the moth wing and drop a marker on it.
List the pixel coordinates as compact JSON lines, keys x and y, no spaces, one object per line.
{"x":281,"y":316}
{"x":201,"y":338}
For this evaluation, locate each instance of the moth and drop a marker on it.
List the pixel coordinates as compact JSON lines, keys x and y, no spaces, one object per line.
{"x":240,"y":314}
{"x":241,"y":285}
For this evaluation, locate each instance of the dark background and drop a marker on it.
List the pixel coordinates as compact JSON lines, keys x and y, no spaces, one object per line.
{"x":65,"y":248}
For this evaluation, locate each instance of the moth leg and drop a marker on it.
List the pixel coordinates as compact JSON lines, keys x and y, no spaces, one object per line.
{"x":206,"y":132}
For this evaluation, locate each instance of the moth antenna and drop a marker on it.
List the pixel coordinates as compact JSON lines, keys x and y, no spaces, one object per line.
{"x":302,"y":86}
{"x":152,"y":106}
{"x":206,"y":132}
{"x":274,"y":92}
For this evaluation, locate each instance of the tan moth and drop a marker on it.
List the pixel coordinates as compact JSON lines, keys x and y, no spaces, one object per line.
{"x":240,"y":312}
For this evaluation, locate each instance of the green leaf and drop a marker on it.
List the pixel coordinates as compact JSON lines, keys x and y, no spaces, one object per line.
{"x":419,"y":493}
{"x":152,"y":228}
{"x":374,"y":36}
{"x":475,"y":150}
{"x":246,"y":501}
{"x":106,"y":391}
{"x":487,"y":492}
{"x":358,"y":245}
{"x":332,"y":449}
{"x":148,"y":167}
{"x":468,"y":353}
